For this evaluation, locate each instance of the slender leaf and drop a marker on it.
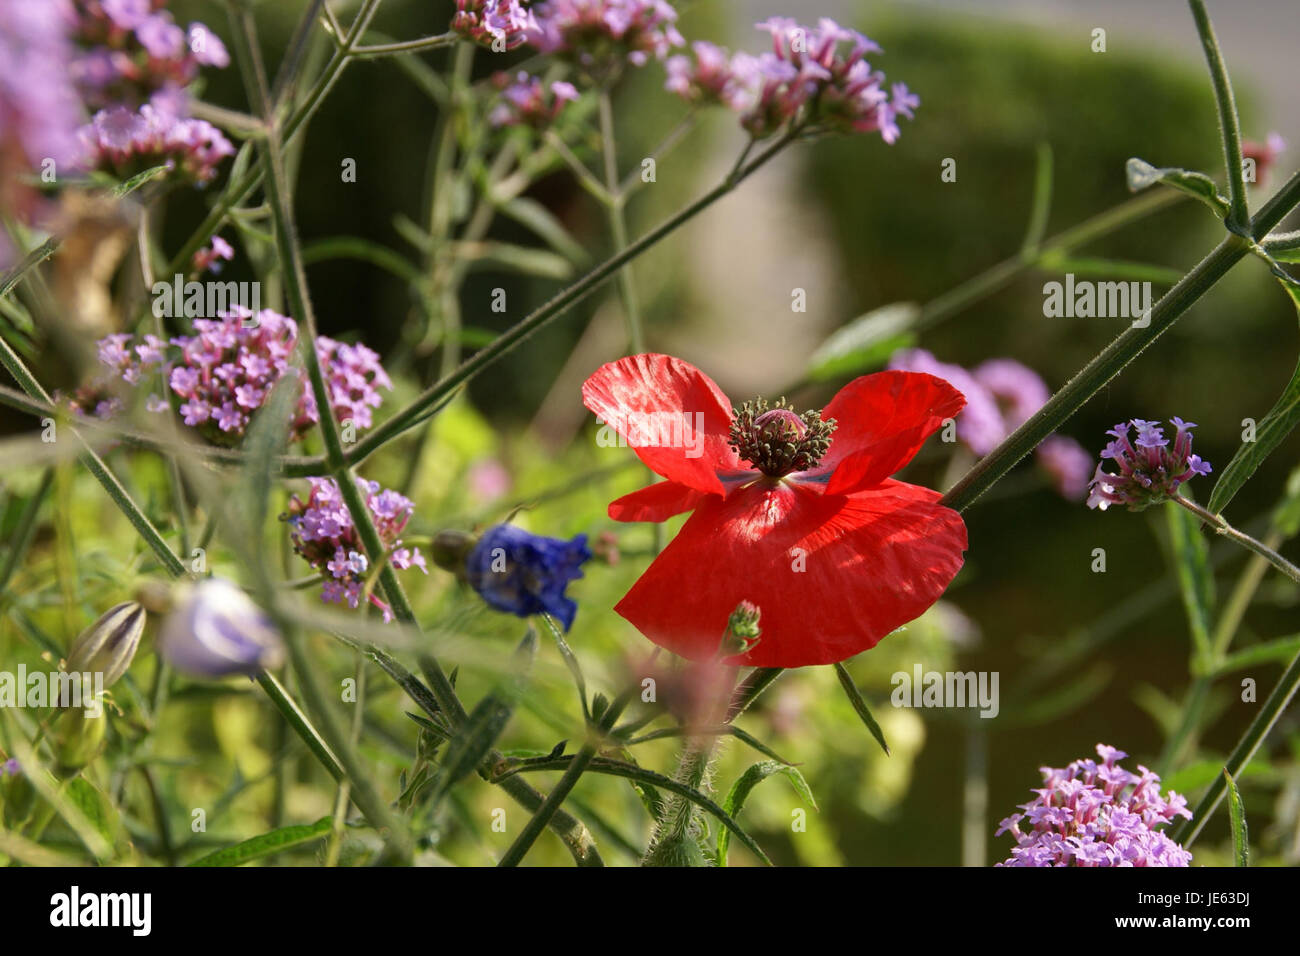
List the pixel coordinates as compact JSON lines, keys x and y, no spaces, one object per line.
{"x":621,"y":768}
{"x":860,"y":705}
{"x":1269,"y":433}
{"x":751,"y":778}
{"x":267,"y":844}
{"x":363,"y":250}
{"x":866,"y":342}
{"x":1190,"y":556}
{"x":543,"y":222}
{"x":474,"y":739}
{"x":1282,"y":649}
{"x":1116,"y":269}
{"x":1237,"y":817}
{"x":1142,"y":174}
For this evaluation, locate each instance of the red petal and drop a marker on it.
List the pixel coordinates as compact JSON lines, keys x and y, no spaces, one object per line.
{"x":881,"y":422}
{"x":870,"y":563}
{"x":658,"y":502}
{"x":644,"y":396}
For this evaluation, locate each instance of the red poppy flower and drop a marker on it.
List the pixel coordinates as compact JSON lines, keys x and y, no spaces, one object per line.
{"x":796,"y":513}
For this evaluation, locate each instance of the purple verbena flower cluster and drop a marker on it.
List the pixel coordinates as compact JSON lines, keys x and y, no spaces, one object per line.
{"x":134,"y":67}
{"x":598,"y":35}
{"x":527,"y":101}
{"x":499,"y":24}
{"x":1001,"y":394}
{"x":125,"y":142}
{"x":1150,"y":471}
{"x":324,"y":534}
{"x":814,"y":76}
{"x":226,"y":370}
{"x":133,"y":52}
{"x":39,"y":107}
{"x":1097,"y":814}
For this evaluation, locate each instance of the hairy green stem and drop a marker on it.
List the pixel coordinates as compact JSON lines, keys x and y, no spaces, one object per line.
{"x":1220,"y":525}
{"x":1239,"y":214}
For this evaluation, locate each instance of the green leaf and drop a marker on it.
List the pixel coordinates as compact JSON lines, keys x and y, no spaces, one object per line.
{"x":865,"y":342}
{"x":1190,"y":556}
{"x":1237,"y":817}
{"x":267,"y":844}
{"x":570,"y":661}
{"x":1269,"y":433}
{"x":475,"y":737}
{"x":363,"y":250}
{"x":747,"y":782}
{"x":97,"y":808}
{"x":529,"y":212}
{"x":1114,"y":269}
{"x":522,"y":259}
{"x":138,"y":180}
{"x":860,"y":705}
{"x":1141,"y":174}
{"x":1282,"y":649}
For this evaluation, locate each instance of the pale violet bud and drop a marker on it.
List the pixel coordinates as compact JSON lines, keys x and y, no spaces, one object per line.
{"x":108,"y":646}
{"x":215,"y":630}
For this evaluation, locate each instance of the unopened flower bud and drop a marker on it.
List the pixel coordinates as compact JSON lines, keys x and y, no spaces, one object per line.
{"x":108,"y":646}
{"x":216,"y":631}
{"x":742,"y":630}
{"x":449,"y":550}
{"x":80,"y":739}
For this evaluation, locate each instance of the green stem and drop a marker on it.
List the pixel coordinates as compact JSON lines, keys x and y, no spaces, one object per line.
{"x":618,"y":226}
{"x":576,"y":768}
{"x":22,"y":536}
{"x":1187,"y":830}
{"x":292,"y":713}
{"x":1239,"y":215}
{"x":1220,"y":525}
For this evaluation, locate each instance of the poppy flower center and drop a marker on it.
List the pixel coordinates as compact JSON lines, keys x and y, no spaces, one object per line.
{"x":776,"y":440}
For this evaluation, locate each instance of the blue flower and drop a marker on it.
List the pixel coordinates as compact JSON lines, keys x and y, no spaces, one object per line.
{"x":523,"y":573}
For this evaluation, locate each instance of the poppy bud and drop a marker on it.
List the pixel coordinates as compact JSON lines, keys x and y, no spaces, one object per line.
{"x":742,"y":630}
{"x":108,"y":646}
{"x":216,"y":631}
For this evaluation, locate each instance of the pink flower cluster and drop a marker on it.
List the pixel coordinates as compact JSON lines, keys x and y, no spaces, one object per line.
{"x":1087,"y":815}
{"x":600,"y":34}
{"x":324,"y":534}
{"x":816,"y":77}
{"x":133,"y":52}
{"x":527,"y":101}
{"x":1001,"y":395}
{"x":39,"y":107}
{"x":226,"y":371}
{"x":208,"y":259}
{"x":123,"y":142}
{"x":499,"y":24}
